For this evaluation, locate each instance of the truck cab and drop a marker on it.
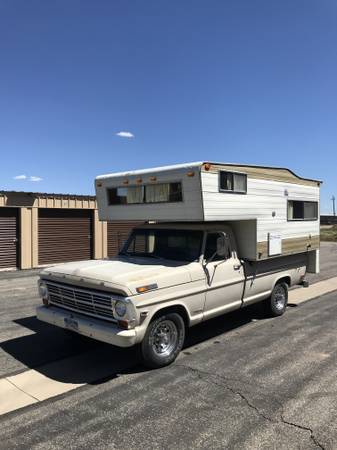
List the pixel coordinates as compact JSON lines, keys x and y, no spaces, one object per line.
{"x":167,"y":278}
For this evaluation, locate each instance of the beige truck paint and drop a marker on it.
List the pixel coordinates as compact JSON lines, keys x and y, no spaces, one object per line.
{"x":201,"y":292}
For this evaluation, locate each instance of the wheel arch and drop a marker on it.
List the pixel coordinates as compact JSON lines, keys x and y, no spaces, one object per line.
{"x":285,"y":279}
{"x":178,"y":308}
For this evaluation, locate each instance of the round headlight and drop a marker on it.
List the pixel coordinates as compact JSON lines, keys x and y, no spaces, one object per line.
{"x":43,"y":291}
{"x":120,"y":308}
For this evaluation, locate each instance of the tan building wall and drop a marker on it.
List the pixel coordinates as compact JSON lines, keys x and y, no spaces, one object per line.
{"x":28,"y":204}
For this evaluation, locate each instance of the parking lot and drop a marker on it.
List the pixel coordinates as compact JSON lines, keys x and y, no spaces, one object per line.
{"x":242,"y":381}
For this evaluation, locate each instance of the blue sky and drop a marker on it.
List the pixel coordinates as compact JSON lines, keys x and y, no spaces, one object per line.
{"x":249,"y":81}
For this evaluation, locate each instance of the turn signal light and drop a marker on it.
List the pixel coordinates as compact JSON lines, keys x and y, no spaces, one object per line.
{"x":149,"y":287}
{"x":123,"y":324}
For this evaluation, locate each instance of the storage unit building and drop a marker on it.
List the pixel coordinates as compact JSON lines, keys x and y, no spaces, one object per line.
{"x":38,"y":229}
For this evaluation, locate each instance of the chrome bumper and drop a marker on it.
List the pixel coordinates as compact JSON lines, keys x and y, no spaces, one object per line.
{"x":96,"y":329}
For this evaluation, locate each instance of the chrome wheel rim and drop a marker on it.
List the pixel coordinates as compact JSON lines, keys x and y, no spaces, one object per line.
{"x":280,"y":298}
{"x":164,"y":338}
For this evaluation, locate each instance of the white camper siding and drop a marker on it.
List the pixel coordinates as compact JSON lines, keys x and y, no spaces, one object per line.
{"x":264,"y":199}
{"x":190,"y":209}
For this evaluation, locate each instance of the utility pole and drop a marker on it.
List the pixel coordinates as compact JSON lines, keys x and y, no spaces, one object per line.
{"x":333,"y":205}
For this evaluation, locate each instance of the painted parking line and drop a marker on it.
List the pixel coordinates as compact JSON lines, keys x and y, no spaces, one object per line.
{"x":298,"y":296}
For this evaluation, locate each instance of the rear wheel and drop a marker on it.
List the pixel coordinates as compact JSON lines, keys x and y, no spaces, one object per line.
{"x":276,"y":304}
{"x":163,"y":340}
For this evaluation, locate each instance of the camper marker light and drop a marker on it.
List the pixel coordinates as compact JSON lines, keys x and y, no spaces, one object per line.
{"x":149,"y":287}
{"x":190,"y":174}
{"x":153,"y":178}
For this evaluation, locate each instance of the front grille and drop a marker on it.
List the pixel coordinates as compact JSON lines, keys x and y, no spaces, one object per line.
{"x":85,"y":301}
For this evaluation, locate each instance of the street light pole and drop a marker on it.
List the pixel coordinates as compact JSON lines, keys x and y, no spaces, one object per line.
{"x":333,"y":205}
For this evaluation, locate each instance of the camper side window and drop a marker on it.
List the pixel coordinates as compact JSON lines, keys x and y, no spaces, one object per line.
{"x":233,"y":182}
{"x":150,"y":193}
{"x":298,"y":210}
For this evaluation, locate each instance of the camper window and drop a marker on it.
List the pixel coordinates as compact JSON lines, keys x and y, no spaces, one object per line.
{"x":151,"y":193}
{"x":299,"y":210}
{"x":125,"y":195}
{"x":163,"y":193}
{"x":233,"y":182}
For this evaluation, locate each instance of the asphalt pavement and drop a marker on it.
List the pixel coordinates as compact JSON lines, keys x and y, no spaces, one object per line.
{"x":242,"y":381}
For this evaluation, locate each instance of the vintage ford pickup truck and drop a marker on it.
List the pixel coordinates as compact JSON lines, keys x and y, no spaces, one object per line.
{"x":167,"y":278}
{"x":216,"y":239}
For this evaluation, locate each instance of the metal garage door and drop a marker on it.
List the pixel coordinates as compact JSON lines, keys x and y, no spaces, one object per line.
{"x":64,"y":235}
{"x":118,"y":232}
{"x":8,"y":238}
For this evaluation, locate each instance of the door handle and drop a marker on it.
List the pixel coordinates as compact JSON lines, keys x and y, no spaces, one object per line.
{"x":237,"y":266}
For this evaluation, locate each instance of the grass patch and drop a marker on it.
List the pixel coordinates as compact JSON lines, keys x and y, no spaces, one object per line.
{"x":329,"y":233}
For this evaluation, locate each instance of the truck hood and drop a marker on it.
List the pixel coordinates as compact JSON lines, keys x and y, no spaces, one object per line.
{"x":125,"y":274}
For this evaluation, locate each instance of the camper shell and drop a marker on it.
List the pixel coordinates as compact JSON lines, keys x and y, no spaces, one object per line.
{"x":272,"y":211}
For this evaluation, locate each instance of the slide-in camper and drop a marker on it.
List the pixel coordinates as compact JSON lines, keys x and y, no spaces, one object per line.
{"x":216,"y":237}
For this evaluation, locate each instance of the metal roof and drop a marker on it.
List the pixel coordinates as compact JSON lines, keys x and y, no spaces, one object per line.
{"x":49,"y":195}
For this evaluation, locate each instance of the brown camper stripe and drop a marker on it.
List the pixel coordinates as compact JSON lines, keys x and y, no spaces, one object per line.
{"x":8,"y":238}
{"x":118,"y":233}
{"x":264,"y":173}
{"x":64,"y":235}
{"x":290,"y":246}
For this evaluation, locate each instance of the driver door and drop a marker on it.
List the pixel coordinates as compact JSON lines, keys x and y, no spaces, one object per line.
{"x":224,"y":277}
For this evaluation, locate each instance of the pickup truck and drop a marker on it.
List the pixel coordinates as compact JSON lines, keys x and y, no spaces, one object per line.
{"x":167,"y":278}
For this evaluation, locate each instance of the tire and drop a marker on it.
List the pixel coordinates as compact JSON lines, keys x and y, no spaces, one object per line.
{"x":163,"y":340}
{"x":276,"y":304}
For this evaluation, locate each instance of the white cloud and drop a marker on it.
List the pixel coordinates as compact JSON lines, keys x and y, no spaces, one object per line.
{"x":32,"y":178}
{"x":125,"y":134}
{"x":20,"y":177}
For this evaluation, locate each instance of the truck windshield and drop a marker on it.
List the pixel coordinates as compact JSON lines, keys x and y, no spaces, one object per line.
{"x":178,"y":245}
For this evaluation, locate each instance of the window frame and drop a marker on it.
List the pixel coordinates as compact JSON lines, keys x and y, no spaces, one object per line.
{"x":229,"y":191}
{"x":143,"y":186}
{"x":230,"y":249}
{"x":304,"y":219}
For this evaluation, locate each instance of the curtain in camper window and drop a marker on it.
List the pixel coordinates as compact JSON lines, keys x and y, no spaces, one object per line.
{"x":135,"y":194}
{"x":310,"y":210}
{"x":240,"y":182}
{"x":157,"y":193}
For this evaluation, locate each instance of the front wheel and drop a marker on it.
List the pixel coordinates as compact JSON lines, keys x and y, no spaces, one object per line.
{"x":276,"y":304}
{"x":163,"y":340}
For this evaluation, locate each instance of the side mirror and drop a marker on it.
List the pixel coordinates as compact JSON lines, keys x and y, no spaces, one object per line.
{"x":221,"y":246}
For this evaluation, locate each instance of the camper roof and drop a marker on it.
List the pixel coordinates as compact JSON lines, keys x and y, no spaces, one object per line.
{"x":192,"y":165}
